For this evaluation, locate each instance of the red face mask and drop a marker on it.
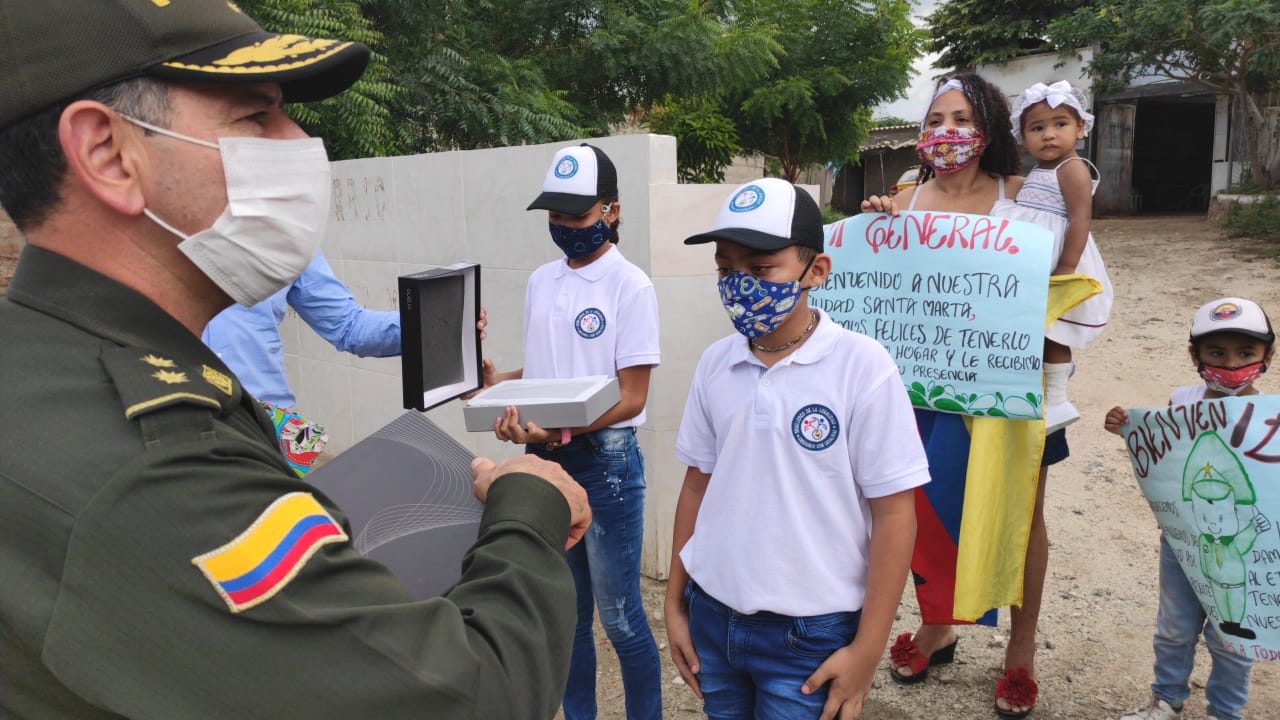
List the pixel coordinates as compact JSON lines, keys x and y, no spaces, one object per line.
{"x":1228,"y":381}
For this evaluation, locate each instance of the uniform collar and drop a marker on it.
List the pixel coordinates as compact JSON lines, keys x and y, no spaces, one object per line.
{"x":817,"y":347}
{"x":595,"y":270}
{"x":64,"y":289}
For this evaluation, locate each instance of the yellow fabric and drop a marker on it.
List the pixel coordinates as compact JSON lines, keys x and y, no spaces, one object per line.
{"x":1000,"y":489}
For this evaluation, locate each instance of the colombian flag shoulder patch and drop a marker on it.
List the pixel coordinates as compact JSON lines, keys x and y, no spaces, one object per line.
{"x":262,"y":560}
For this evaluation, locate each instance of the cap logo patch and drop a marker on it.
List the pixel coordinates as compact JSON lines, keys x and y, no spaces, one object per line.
{"x":747,"y":199}
{"x":815,"y":427}
{"x":1225,"y":311}
{"x":567,"y":167}
{"x":589,"y":323}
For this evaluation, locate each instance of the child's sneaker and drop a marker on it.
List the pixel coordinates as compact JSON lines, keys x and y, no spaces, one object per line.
{"x":1157,"y":710}
{"x":1059,"y":415}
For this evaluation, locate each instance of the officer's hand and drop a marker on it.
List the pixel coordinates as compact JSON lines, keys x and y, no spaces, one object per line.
{"x":485,"y":472}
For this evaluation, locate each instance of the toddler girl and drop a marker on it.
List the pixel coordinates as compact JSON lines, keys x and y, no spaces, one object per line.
{"x":1058,"y":194}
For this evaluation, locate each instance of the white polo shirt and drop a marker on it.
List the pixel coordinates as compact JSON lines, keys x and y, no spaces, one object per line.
{"x":794,"y":451}
{"x":594,"y":320}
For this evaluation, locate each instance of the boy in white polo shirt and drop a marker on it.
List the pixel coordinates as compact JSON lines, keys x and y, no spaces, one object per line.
{"x":592,"y":312}
{"x":795,"y":525}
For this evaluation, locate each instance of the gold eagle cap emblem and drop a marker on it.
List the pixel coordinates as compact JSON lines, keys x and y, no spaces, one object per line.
{"x":155,"y":361}
{"x":276,"y":49}
{"x":217,"y":379}
{"x":171,"y":377}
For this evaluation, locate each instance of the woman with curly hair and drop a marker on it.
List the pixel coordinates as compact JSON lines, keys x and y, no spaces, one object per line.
{"x":969,"y":161}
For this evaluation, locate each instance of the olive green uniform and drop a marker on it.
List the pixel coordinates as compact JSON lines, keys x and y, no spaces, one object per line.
{"x":127,"y":450}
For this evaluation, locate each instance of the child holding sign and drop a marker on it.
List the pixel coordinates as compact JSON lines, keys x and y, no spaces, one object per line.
{"x":1058,"y":194}
{"x":1231,"y":345}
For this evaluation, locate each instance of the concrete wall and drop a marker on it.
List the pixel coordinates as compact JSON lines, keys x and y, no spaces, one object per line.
{"x":394,"y":216}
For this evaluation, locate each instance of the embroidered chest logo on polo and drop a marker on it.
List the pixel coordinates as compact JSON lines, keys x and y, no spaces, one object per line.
{"x":589,"y":323}
{"x":815,"y":427}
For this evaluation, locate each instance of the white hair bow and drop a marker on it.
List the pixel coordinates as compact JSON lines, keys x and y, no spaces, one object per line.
{"x":1056,"y":94}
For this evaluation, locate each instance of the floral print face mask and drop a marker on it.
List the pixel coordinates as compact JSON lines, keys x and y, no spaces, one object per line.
{"x":950,"y":149}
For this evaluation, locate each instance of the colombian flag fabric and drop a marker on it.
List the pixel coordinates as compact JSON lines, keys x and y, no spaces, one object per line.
{"x":259,"y":563}
{"x":974,"y":516}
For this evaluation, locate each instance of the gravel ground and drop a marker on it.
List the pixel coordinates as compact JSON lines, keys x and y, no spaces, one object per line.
{"x":1100,"y":595}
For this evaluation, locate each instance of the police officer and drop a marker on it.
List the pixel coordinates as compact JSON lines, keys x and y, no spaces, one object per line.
{"x":158,"y":558}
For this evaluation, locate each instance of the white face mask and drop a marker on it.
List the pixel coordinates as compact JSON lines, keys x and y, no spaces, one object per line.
{"x":277,"y":206}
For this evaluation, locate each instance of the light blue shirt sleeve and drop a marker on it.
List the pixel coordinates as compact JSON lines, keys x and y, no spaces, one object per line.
{"x":324,"y":303}
{"x":248,"y":340}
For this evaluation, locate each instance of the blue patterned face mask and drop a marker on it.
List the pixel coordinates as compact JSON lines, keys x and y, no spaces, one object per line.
{"x":757,"y":307}
{"x":580,"y":242}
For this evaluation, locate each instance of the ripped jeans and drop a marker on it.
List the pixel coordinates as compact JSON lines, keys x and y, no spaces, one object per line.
{"x":606,"y":568}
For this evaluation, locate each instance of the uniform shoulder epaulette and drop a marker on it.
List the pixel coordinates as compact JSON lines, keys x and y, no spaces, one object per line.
{"x":148,"y":382}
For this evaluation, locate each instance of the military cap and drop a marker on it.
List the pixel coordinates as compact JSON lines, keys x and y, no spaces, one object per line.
{"x":52,"y":51}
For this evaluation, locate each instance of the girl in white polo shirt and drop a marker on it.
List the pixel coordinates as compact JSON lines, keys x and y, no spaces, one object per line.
{"x":595,"y":313}
{"x":795,"y":525}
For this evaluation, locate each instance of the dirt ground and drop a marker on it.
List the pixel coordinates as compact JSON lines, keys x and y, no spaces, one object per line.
{"x":1100,"y":594}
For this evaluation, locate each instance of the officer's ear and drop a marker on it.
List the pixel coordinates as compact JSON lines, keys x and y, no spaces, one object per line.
{"x":104,"y":153}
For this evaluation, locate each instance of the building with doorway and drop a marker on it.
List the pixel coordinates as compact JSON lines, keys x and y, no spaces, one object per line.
{"x":1160,"y":145}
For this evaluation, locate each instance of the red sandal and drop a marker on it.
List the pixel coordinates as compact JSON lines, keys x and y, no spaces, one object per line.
{"x":905,"y":652}
{"x":1018,"y":688}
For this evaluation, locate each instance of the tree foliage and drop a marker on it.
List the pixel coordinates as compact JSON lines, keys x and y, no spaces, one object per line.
{"x":1229,"y":46}
{"x":360,"y":122}
{"x":792,"y":79}
{"x":497,"y":72}
{"x":707,"y":140}
{"x":968,"y":33}
{"x":840,"y":59}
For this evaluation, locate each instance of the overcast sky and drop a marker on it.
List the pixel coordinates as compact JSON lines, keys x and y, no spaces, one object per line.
{"x":912,"y":107}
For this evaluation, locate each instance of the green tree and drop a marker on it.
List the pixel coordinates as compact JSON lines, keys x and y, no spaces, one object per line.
{"x":707,"y":141}
{"x":968,"y":33}
{"x":1229,"y":46}
{"x":360,"y":122}
{"x":840,"y":59}
{"x":497,"y":72}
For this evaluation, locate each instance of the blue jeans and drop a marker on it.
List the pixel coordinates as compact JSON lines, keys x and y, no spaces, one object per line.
{"x":1179,"y":623}
{"x":752,"y":666}
{"x":606,"y":565}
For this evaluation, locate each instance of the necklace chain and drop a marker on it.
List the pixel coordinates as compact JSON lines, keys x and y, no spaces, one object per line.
{"x":813,"y":321}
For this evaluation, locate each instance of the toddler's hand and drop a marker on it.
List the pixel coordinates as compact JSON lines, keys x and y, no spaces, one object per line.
{"x":1116,"y":417}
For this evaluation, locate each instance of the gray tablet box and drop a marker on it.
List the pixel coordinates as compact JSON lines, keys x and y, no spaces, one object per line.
{"x":548,"y":403}
{"x":406,"y":490}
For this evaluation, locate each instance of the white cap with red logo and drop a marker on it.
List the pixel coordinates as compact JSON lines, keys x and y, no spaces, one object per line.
{"x":1232,"y":314}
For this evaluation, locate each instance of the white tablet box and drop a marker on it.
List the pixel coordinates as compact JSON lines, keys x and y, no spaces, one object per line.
{"x":548,"y":403}
{"x":439,"y":344}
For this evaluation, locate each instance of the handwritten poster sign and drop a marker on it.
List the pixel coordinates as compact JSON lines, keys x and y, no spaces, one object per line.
{"x":1211,"y":473}
{"x":958,"y":300}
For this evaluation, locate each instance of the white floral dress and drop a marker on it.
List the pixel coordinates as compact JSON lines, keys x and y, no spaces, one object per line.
{"x":1040,"y":201}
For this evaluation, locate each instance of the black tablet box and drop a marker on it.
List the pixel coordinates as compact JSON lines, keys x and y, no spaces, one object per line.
{"x":440,"y":355}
